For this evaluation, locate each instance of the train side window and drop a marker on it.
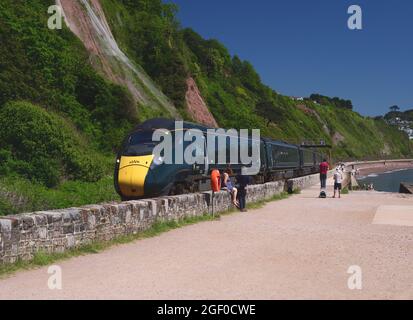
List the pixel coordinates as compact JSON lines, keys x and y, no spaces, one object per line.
{"x":228,"y":151}
{"x":221,"y":151}
{"x":200,"y":150}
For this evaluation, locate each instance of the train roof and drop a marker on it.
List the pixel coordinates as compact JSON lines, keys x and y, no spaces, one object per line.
{"x":168,"y":124}
{"x":279,"y":142}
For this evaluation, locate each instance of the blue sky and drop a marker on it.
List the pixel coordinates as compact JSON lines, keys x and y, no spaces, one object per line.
{"x":301,"y":47}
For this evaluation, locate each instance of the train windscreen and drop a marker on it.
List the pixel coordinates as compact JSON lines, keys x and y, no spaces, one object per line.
{"x":140,"y":144}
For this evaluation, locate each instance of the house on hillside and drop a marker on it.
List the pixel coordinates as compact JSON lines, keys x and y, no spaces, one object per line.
{"x":403,"y":125}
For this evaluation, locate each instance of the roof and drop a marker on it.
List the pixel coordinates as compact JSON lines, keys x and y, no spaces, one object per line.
{"x":168,"y":124}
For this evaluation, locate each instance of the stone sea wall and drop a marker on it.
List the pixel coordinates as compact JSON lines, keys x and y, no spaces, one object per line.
{"x":21,"y":236}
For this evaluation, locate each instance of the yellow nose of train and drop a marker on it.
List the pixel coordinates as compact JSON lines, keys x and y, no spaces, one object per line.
{"x":132,"y":175}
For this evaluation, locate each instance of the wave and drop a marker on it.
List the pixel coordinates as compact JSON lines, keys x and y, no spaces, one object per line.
{"x":395,"y":170}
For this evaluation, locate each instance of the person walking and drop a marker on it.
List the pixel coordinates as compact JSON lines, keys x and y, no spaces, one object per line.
{"x":338,"y":179}
{"x":324,"y":167}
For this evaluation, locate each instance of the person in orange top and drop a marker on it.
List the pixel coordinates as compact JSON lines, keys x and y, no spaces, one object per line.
{"x":215,"y":180}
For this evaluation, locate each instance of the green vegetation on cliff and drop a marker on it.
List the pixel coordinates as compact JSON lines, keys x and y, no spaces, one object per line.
{"x":40,"y":146}
{"x":61,"y":121}
{"x":51,"y":68}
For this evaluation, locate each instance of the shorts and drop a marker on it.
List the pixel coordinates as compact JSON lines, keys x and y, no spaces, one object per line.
{"x":230,"y":187}
{"x":337,"y":186}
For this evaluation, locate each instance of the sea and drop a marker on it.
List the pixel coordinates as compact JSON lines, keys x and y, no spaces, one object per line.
{"x":388,"y":181}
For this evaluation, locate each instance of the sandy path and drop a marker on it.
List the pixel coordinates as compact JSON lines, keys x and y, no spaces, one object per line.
{"x":297,"y":248}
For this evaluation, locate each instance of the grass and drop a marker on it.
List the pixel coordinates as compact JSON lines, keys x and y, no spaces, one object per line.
{"x":345,"y":191}
{"x":262,"y":203}
{"x":42,"y":259}
{"x":26,"y":196}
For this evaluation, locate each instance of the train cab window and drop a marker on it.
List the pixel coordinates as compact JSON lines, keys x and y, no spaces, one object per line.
{"x":140,"y":144}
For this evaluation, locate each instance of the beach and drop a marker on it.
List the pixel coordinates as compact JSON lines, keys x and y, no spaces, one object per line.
{"x":377,"y":167}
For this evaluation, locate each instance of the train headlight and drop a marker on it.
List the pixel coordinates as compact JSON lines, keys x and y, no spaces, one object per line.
{"x":158,"y":161}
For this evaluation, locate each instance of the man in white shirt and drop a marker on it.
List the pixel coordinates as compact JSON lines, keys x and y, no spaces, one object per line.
{"x":338,"y":179}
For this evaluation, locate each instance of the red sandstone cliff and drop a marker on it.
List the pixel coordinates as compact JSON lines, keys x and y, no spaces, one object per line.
{"x":196,"y":105}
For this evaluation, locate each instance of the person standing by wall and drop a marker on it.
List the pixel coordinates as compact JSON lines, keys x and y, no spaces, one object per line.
{"x":324,"y":167}
{"x":243,"y":182}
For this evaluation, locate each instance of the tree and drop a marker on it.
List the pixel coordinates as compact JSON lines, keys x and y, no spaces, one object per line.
{"x":269,"y":111}
{"x":335,"y":102}
{"x":394,"y":108}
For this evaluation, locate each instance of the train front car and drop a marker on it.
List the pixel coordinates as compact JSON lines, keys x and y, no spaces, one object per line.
{"x":138,"y":173}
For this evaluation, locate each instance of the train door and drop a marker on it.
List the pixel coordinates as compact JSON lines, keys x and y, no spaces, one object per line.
{"x":206,"y":158}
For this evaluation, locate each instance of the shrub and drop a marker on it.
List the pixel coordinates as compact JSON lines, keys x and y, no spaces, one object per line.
{"x":44,"y":147}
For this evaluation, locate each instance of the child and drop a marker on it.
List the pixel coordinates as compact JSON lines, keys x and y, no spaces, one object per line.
{"x":338,"y":179}
{"x":230,"y":187}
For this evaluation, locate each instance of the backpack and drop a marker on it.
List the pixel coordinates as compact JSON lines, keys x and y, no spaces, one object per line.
{"x":323,"y":195}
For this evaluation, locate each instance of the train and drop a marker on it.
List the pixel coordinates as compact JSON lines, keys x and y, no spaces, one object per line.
{"x":140,"y":174}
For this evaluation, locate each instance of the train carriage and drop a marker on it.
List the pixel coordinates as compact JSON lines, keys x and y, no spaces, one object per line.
{"x":140,"y":174}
